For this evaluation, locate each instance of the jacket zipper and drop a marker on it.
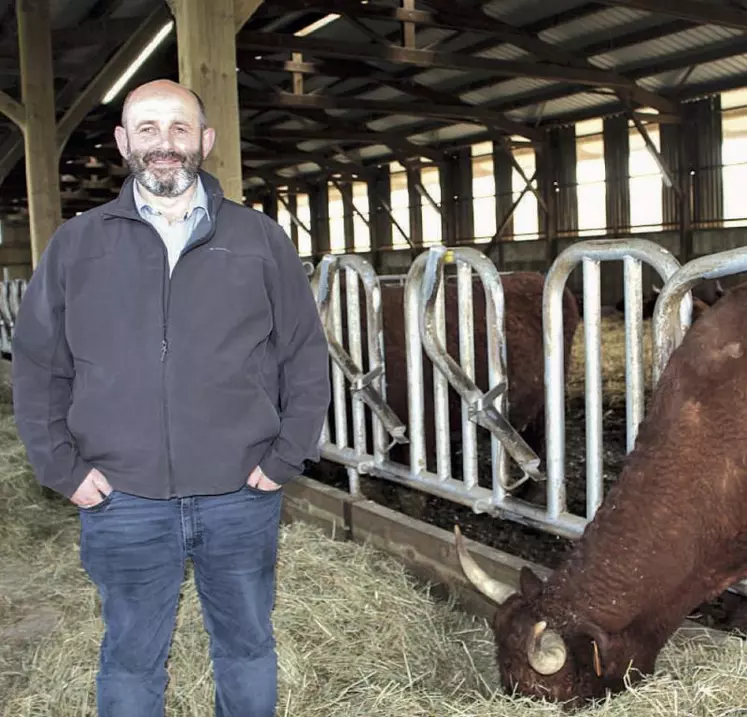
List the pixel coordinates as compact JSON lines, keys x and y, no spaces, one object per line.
{"x":166,"y":297}
{"x":166,"y":300}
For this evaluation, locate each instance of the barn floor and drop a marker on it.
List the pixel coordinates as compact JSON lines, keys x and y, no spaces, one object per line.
{"x":357,"y":635}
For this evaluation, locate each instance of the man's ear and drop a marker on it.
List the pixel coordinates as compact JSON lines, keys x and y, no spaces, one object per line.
{"x":123,"y":144}
{"x":208,"y":141}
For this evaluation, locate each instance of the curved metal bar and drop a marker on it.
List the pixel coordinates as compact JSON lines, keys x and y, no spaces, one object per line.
{"x":481,"y":407}
{"x":713,"y":266}
{"x":589,"y":252}
{"x":368,"y":386}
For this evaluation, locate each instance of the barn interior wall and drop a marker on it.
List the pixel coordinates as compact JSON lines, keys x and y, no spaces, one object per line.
{"x":691,"y":152}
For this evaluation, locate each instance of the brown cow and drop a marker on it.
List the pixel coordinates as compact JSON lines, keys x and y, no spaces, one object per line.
{"x":704,"y":296}
{"x":524,"y":354}
{"x":670,"y":535}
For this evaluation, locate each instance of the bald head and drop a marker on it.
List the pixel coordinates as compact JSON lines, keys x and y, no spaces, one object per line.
{"x":164,"y":137}
{"x":164,"y":90}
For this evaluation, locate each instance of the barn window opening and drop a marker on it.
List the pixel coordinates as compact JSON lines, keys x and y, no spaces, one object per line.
{"x":336,"y":213}
{"x":734,"y":153}
{"x":400,"y":204}
{"x":303,"y":215}
{"x":526,"y":219}
{"x":284,"y":217}
{"x":646,"y":183}
{"x":430,"y":178}
{"x":303,"y":212}
{"x":591,"y":178}
{"x":361,"y":217}
{"x":483,"y":192}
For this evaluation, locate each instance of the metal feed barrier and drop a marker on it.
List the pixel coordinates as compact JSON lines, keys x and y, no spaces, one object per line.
{"x":425,"y":327}
{"x":633,"y":252}
{"x":11,"y":293}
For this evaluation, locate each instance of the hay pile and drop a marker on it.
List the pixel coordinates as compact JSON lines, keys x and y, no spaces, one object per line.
{"x":613,"y":361}
{"x":357,"y":636}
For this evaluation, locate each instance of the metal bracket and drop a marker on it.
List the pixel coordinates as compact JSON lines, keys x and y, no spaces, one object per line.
{"x":360,"y":382}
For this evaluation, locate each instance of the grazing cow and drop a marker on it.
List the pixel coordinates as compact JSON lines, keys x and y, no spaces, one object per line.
{"x":670,"y":535}
{"x":524,"y":354}
{"x":704,"y":295}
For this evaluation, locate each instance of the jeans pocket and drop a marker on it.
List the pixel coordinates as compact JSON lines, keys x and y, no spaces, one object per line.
{"x":99,"y":506}
{"x":258,"y":491}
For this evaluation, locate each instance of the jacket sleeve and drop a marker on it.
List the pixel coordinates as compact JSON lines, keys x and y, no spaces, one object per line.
{"x":303,"y":365}
{"x":43,"y":371}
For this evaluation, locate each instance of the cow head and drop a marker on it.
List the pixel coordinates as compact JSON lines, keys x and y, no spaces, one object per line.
{"x":572,"y":662}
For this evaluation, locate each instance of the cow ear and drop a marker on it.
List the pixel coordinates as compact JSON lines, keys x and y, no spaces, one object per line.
{"x":531,"y":585}
{"x":599,"y":641}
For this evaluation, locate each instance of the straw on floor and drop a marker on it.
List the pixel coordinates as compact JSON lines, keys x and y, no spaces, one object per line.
{"x":357,"y":635}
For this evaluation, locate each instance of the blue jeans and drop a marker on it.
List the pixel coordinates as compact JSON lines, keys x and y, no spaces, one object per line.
{"x":135,"y":550}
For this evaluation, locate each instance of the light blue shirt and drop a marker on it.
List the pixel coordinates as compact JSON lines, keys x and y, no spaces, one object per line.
{"x":175,"y":235}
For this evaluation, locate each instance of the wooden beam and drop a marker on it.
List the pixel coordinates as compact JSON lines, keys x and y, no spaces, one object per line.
{"x":13,"y":109}
{"x":469,"y":113}
{"x":206,"y":37}
{"x":122,"y":59}
{"x":332,"y":133}
{"x":92,"y":94}
{"x":353,"y":69}
{"x":243,"y":11}
{"x":428,"y":59}
{"x":37,"y":88}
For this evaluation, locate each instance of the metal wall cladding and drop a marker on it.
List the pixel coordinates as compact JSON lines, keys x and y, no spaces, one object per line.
{"x":703,"y":139}
{"x":616,"y":153}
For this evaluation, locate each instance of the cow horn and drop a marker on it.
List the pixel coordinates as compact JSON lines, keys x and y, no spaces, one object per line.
{"x":546,"y":651}
{"x":496,"y":591}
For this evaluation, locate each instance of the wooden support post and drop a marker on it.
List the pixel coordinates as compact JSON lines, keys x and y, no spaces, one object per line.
{"x":408,"y":28}
{"x":40,"y":132}
{"x":449,"y":210}
{"x":348,"y":216}
{"x":379,"y":187}
{"x":206,"y":37}
{"x":270,"y":203}
{"x":685,"y":197}
{"x":319,"y":206}
{"x":293,"y":211}
{"x":297,"y":76}
{"x":416,"y":206}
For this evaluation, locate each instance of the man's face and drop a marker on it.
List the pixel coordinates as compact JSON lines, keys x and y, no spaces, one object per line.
{"x":163,"y":142}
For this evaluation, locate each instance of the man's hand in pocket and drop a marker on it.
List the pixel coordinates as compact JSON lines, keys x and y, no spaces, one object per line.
{"x":92,"y":490}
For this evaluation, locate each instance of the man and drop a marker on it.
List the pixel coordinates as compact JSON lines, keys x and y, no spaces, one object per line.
{"x":170,"y":374}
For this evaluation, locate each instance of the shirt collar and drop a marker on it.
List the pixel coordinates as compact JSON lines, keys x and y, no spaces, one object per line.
{"x":199,"y":200}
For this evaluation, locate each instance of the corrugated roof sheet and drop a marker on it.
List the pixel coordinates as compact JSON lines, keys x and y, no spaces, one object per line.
{"x":696,"y":38}
{"x":561,"y":107}
{"x":524,"y":12}
{"x":603,"y":26}
{"x":709,"y":72}
{"x":509,"y":88}
{"x":599,"y":26}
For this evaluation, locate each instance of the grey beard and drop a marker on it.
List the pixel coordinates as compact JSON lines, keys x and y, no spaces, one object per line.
{"x":171,"y":184}
{"x":165,"y":183}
